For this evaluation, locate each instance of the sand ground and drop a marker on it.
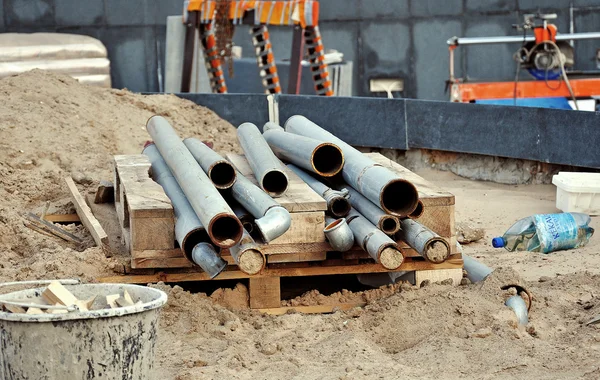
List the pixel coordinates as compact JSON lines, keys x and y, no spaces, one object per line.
{"x":52,"y":127}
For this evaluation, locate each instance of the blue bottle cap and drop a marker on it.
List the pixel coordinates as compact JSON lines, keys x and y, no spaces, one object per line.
{"x":498,"y":242}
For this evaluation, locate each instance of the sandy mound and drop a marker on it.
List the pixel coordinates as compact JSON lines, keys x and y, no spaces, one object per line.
{"x":53,"y":127}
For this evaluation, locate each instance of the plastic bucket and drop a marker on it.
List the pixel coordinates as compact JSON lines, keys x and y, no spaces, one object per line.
{"x":98,"y":344}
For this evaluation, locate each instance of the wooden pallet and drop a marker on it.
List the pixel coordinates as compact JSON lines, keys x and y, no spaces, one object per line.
{"x":147,"y":221}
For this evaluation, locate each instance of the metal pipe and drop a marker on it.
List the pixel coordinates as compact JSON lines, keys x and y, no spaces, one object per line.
{"x":418,"y":211}
{"x":338,"y":204}
{"x":267,"y":169}
{"x":518,"y":305}
{"x":189,"y":231}
{"x":423,"y":240}
{"x":247,"y":255}
{"x":338,"y":234}
{"x":243,"y":215}
{"x":455,"y":41}
{"x":385,"y":222}
{"x":224,"y":229}
{"x":377,"y":244}
{"x":322,"y":158}
{"x":380,"y":185}
{"x":476,"y":270}
{"x":272,"y":220}
{"x":220,"y":171}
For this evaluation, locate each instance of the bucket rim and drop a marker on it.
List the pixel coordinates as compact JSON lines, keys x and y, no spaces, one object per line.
{"x":159,"y":301}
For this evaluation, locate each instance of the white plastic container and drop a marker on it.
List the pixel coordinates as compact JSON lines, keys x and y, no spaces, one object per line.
{"x":578,"y":192}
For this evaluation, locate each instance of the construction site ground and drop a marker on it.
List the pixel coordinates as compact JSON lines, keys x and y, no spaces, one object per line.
{"x":52,"y":127}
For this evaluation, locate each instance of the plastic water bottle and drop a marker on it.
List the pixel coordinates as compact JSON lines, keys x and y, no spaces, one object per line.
{"x":546,"y":233}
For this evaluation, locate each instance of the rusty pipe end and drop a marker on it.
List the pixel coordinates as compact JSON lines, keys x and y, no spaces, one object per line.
{"x":251,"y":260}
{"x":339,"y":206}
{"x":437,"y":250}
{"x":225,"y":230}
{"x":390,"y":256}
{"x":222,"y":174}
{"x":418,"y":212}
{"x":275,"y":182}
{"x":389,"y":224}
{"x":399,"y":197}
{"x":327,"y":159}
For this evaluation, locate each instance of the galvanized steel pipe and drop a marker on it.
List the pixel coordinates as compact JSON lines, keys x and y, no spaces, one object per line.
{"x":338,"y":204}
{"x":385,"y":222}
{"x":338,"y":234}
{"x":476,"y":270}
{"x":247,"y":255}
{"x":272,"y":220}
{"x":394,"y":194}
{"x":189,"y":231}
{"x":373,"y":241}
{"x":423,"y":240}
{"x":267,"y":169}
{"x":323,"y":158}
{"x":243,"y":215}
{"x":219,"y":170}
{"x":215,"y":214}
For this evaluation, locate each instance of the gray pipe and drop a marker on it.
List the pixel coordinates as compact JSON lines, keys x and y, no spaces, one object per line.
{"x":423,"y":240}
{"x":380,"y":185}
{"x":322,"y":158}
{"x":418,"y":212}
{"x":385,"y":222}
{"x":272,"y":220}
{"x":455,"y":41}
{"x":518,"y":305}
{"x":476,"y":270}
{"x":189,"y":231}
{"x":247,"y":255}
{"x":243,"y":215}
{"x":220,"y":171}
{"x":377,"y":244}
{"x":338,"y":204}
{"x":223,"y":227}
{"x":267,"y":169}
{"x":338,"y":234}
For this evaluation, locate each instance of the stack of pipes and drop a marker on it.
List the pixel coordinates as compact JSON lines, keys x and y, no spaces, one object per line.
{"x":217,"y":207}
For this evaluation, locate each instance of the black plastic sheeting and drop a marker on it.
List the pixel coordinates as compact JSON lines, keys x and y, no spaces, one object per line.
{"x":546,"y":135}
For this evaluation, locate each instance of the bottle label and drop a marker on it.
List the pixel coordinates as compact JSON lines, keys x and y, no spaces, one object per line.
{"x":556,"y":231}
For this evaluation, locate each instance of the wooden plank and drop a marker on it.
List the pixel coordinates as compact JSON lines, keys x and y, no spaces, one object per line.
{"x":152,"y":233}
{"x":85,"y":214}
{"x":316,"y":309}
{"x":177,"y":276}
{"x":430,"y":194}
{"x":439,"y":275}
{"x":105,"y":192}
{"x":297,"y":257}
{"x":277,"y":249}
{"x":167,"y":258}
{"x":298,"y":197}
{"x":63,"y":218}
{"x":264,"y":292}
{"x":306,"y":227}
{"x":440,"y":219}
{"x":52,"y":229}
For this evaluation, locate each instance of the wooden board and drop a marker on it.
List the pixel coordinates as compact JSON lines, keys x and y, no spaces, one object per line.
{"x":316,"y":309}
{"x":265,"y":292}
{"x":298,"y":197}
{"x":306,"y":227}
{"x":430,"y":194}
{"x":62,"y":218}
{"x":297,"y":257}
{"x":85,"y":214}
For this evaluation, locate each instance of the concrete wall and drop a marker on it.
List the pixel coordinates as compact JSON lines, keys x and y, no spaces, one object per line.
{"x":385,"y":38}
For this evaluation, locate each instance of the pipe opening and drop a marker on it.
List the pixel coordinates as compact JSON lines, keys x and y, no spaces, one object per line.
{"x":252,"y":261}
{"x":340,"y":207}
{"x":275,"y":182}
{"x":225,"y":231}
{"x":248,"y":225}
{"x":327,"y":160}
{"x":389,"y":225}
{"x":437,"y":251}
{"x":418,"y":211}
{"x":391,"y":257}
{"x":333,"y":224}
{"x":399,"y":197}
{"x":222,"y":175}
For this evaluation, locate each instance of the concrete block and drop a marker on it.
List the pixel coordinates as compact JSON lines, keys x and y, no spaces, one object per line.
{"x":2,"y":15}
{"x":585,"y":50}
{"x":130,"y":12}
{"x":330,"y":10}
{"x":29,"y":13}
{"x":426,"y":8}
{"x":534,"y":5}
{"x":490,"y":62}
{"x":485,"y":6}
{"x":156,"y":11}
{"x":76,"y":13}
{"x":587,"y":3}
{"x":431,"y":57}
{"x":127,"y":53}
{"x":242,"y":38}
{"x":395,"y":9}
